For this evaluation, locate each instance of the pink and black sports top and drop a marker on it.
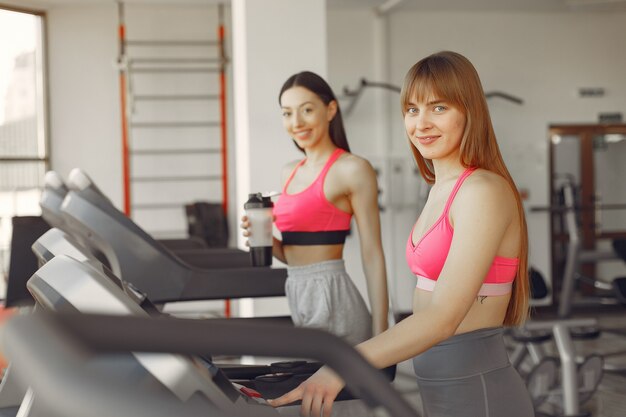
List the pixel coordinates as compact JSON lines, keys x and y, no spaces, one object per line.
{"x":307,"y":217}
{"x":427,"y":257}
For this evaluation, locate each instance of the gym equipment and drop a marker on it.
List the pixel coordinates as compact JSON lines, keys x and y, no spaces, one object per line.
{"x":26,"y":230}
{"x":619,"y":284}
{"x":54,"y":368}
{"x":52,"y":363}
{"x":564,"y":381}
{"x":23,"y":264}
{"x":11,"y":393}
{"x":139,"y":259}
{"x":55,"y":190}
{"x":208,"y":222}
{"x":575,"y":256}
{"x":67,"y":285}
{"x":364,"y":83}
{"x":57,"y":243}
{"x":52,"y":195}
{"x":201,"y":257}
{"x":187,"y":337}
{"x":579,"y":377}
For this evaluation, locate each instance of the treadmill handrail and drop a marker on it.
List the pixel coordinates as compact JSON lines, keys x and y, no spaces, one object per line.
{"x":175,"y":280}
{"x":217,"y":284}
{"x":51,"y":362}
{"x":116,"y":334}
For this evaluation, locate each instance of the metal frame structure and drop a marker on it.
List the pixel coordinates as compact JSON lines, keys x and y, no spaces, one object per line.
{"x":587,"y":207}
{"x":43,"y":159}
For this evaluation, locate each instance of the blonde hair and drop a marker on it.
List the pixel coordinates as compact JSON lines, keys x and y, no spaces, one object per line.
{"x":452,"y":77}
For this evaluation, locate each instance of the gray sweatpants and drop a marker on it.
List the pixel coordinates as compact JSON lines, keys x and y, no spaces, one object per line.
{"x":323,"y":296}
{"x":470,"y":375}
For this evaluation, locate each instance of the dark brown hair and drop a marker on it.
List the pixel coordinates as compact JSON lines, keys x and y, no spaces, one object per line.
{"x":319,"y":87}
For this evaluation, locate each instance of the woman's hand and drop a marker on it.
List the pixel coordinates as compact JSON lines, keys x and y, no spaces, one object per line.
{"x":317,"y":394}
{"x":245,"y":225}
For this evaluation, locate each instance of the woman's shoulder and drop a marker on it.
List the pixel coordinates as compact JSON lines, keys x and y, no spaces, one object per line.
{"x":353,"y":173}
{"x":349,"y":163}
{"x":487,"y":187}
{"x":489,"y":180}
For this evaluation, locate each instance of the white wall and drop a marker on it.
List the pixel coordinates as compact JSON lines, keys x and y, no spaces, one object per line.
{"x":272,"y":40}
{"x":542,"y":58}
{"x":281,"y":39}
{"x":85,"y":128}
{"x":85,"y":104}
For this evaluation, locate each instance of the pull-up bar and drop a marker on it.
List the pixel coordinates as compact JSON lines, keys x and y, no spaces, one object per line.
{"x":364,"y":83}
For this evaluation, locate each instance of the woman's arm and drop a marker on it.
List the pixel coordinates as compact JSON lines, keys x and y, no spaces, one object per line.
{"x":277,"y":244}
{"x":363,"y":195}
{"x":277,"y":250}
{"x":481,"y":214}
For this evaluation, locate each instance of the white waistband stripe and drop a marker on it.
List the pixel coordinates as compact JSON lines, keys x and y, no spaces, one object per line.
{"x":487,"y":290}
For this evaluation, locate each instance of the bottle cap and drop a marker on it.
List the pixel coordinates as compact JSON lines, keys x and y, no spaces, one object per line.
{"x":256,"y":200}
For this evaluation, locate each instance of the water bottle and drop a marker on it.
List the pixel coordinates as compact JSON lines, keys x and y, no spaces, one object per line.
{"x":259,"y":213}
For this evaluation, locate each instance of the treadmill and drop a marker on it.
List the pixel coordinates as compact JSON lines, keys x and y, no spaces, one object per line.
{"x":64,"y":284}
{"x":53,"y":349}
{"x":137,"y":258}
{"x":57,"y":243}
{"x":55,"y":190}
{"x":52,"y":195}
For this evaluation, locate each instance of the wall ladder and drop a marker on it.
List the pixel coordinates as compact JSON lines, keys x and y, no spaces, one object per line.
{"x":173,"y":105}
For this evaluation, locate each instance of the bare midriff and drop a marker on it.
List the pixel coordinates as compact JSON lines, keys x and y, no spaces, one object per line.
{"x":297,"y":255}
{"x":485,"y":311}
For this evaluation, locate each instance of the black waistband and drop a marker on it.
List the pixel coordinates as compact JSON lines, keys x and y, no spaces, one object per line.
{"x":332,"y":237}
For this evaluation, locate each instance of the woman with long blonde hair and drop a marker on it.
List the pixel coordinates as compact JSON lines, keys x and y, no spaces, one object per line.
{"x":468,"y":251}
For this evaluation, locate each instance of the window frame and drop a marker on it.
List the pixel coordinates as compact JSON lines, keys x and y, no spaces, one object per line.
{"x":45,"y":104}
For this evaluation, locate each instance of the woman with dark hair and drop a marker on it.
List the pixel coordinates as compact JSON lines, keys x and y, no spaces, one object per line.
{"x":468,"y":250}
{"x":321,"y":193}
{"x":317,"y":85}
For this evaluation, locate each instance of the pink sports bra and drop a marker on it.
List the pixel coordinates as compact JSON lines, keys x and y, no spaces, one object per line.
{"x":427,"y":257}
{"x":307,"y":217}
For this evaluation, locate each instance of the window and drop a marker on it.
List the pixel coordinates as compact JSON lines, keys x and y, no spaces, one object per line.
{"x":23,"y":142}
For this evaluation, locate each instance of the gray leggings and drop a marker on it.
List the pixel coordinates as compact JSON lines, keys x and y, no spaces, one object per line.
{"x":323,"y":296}
{"x":470,"y":375}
